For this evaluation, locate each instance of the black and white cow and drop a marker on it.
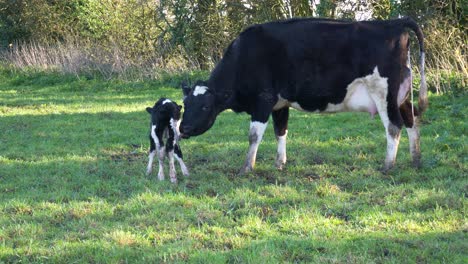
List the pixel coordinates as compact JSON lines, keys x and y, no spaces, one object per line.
{"x":165,"y":120}
{"x":314,"y":65}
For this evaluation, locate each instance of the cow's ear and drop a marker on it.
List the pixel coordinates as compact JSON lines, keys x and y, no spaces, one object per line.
{"x":185,"y":89}
{"x":149,"y":110}
{"x":179,"y":107}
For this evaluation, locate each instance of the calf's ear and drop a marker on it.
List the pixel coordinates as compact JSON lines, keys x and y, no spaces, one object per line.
{"x":149,"y":110}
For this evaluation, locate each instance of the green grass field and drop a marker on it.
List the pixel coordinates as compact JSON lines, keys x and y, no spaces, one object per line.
{"x":73,"y":188}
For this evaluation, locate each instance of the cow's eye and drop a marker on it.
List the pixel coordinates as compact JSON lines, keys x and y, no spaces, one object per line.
{"x":205,"y":108}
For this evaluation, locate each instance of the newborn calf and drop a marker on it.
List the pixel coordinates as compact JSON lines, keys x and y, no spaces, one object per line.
{"x":165,"y":120}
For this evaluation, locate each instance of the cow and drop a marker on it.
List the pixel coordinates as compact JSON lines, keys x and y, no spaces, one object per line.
{"x":313,"y":65}
{"x":165,"y":121}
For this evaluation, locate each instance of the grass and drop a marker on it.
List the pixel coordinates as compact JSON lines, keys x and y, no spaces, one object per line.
{"x":73,"y":153}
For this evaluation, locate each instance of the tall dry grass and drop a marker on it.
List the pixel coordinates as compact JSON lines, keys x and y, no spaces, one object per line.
{"x":446,"y":59}
{"x":84,"y":58}
{"x":447,"y":56}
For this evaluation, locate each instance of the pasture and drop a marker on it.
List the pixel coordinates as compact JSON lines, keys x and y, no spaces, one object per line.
{"x":73,"y":154}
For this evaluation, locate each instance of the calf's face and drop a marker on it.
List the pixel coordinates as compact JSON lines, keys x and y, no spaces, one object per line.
{"x":200,"y":110}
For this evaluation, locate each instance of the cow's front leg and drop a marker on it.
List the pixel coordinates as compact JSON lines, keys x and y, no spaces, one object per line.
{"x":257,"y":129}
{"x":280,"y":124}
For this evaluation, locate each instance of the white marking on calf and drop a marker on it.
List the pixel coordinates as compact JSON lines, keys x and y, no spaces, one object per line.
{"x":149,"y":169}
{"x":172,"y":173}
{"x":183,"y":168}
{"x":199,"y":90}
{"x":257,"y":129}
{"x":281,"y":154}
{"x":166,"y":101}
{"x":161,"y":152}
{"x":161,"y":155}
{"x":175,"y":124}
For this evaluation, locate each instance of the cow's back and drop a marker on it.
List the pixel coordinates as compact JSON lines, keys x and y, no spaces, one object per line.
{"x":312,"y":60}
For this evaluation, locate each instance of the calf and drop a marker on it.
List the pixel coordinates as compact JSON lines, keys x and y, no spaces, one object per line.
{"x":313,"y":65}
{"x":165,"y":120}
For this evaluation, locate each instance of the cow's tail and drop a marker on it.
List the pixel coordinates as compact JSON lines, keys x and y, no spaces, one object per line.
{"x":411,"y":24}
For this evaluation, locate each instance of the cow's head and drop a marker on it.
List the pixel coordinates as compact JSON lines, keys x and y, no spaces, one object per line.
{"x":200,"y":109}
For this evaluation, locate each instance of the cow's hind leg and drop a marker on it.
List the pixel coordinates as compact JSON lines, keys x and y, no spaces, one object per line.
{"x":383,"y":93}
{"x":412,"y":128}
{"x":179,"y":158}
{"x":280,"y":124}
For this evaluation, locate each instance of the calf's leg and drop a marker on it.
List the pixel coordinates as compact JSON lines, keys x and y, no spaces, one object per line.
{"x":161,"y":155}
{"x":152,"y":153}
{"x":179,"y":157}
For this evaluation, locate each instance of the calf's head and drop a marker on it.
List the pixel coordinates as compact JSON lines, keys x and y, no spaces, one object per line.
{"x":200,"y":109}
{"x":164,"y":110}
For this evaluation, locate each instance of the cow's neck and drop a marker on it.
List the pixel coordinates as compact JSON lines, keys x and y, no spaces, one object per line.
{"x":223,"y":84}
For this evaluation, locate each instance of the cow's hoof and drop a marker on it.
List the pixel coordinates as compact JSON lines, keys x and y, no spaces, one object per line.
{"x":280,"y":165}
{"x":386,"y":169}
{"x":245,"y":170}
{"x":417,"y":163}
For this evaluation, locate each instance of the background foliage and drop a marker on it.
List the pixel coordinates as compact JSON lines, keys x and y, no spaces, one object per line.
{"x":136,"y":38}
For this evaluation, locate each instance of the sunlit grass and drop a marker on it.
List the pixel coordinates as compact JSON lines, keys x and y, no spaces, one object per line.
{"x":72,"y":186}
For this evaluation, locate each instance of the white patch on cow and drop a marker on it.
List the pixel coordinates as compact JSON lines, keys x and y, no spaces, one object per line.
{"x":281,"y":154}
{"x":257,"y":129}
{"x":361,"y":93}
{"x":405,"y":88}
{"x":358,"y":96}
{"x":297,"y":106}
{"x":199,"y":90}
{"x":149,"y":169}
{"x":184,"y":169}
{"x":281,"y":103}
{"x":166,"y":101}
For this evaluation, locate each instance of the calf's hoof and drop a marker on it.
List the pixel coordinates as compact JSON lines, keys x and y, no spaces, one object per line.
{"x":161,"y":176}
